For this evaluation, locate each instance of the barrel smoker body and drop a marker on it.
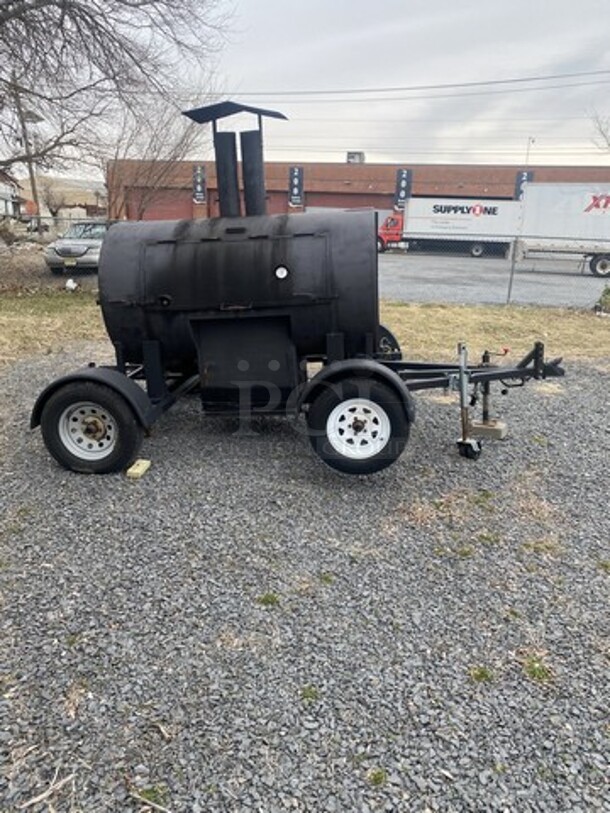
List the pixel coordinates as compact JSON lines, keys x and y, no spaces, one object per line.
{"x":244,"y":302}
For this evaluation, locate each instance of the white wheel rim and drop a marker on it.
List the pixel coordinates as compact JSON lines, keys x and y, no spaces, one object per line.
{"x":358,"y":428}
{"x":88,"y":431}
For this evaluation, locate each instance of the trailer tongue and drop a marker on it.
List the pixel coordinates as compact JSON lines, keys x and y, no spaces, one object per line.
{"x":240,"y":309}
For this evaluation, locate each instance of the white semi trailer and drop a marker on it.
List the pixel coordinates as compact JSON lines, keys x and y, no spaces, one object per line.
{"x":567,"y":219}
{"x":551,"y":218}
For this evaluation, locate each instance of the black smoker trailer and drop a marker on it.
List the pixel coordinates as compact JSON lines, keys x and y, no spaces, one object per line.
{"x":242,"y":309}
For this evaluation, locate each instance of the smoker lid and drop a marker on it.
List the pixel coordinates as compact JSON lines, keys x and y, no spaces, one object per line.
{"x":221,"y":110}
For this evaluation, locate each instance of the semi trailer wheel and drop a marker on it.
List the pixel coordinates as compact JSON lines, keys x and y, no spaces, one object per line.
{"x":358,"y":426}
{"x":90,"y":428}
{"x":600,"y":265}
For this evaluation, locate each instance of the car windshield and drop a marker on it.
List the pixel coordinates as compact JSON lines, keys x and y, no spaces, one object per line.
{"x":88,"y":231}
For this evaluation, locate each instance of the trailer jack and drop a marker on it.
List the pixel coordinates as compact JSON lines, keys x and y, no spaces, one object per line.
{"x":468,"y":446}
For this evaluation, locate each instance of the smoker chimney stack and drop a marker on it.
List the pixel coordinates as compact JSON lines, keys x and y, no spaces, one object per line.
{"x":225,"y":150}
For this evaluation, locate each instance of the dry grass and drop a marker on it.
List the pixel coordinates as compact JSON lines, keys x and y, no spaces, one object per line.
{"x":432,"y":331}
{"x":43,"y":321}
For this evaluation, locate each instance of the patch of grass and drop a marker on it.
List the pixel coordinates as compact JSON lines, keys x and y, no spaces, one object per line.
{"x":268,"y":600}
{"x":512,"y":614}
{"x":482,"y":497}
{"x":156,"y":794}
{"x":535,"y":666}
{"x":539,"y":440}
{"x":432,"y":331}
{"x":453,"y":508}
{"x":7,"y":682}
{"x":481,"y":674}
{"x":41,"y":322}
{"x":327,"y":578}
{"x":489,"y":538}
{"x":74,"y":696}
{"x":462,"y":551}
{"x":547,"y":546}
{"x":604,"y":300}
{"x":604,"y":565}
{"x":310,"y":694}
{"x":36,"y":322}
{"x":377,"y":777}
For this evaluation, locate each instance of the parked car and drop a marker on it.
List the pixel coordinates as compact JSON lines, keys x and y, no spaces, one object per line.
{"x":78,"y":249}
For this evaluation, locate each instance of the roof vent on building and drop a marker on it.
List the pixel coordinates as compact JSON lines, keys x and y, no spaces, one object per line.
{"x":355,"y":158}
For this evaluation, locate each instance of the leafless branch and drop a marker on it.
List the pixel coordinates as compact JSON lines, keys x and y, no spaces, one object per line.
{"x":74,"y":64}
{"x":52,"y":789}
{"x":602,"y":131}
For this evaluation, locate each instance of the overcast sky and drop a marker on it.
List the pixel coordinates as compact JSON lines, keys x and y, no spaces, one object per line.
{"x":284,"y":47}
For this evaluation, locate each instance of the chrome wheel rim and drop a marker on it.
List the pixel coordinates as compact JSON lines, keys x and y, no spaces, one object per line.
{"x":88,"y":431}
{"x":358,"y":428}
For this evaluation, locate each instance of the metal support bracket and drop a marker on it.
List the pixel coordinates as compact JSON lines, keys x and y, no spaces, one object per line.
{"x":468,"y":446}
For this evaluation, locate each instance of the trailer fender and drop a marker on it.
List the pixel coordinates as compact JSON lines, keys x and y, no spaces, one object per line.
{"x":349,"y":368}
{"x":135,"y":396}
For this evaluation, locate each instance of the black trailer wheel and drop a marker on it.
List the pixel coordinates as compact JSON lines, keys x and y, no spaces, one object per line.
{"x":388,"y":344}
{"x":90,"y":428}
{"x":600,"y":265}
{"x":477,"y":250}
{"x":358,"y":425}
{"x":380,"y":245}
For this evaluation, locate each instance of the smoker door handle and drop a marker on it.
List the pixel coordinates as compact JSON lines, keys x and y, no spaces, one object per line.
{"x":235,"y":307}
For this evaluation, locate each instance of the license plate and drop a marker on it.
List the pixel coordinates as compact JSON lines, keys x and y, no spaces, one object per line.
{"x":69,"y":263}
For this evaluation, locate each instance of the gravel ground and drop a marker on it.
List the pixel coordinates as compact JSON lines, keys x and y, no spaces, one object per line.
{"x":243,"y":629}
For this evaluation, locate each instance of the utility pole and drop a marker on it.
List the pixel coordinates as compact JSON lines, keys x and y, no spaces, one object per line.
{"x":21,"y":116}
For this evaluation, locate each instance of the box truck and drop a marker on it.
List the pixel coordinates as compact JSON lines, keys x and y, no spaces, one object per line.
{"x":475,"y":225}
{"x":551,"y":218}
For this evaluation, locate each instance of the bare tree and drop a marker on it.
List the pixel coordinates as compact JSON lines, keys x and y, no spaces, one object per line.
{"x":53,"y":197}
{"x":140,"y":162}
{"x":72,"y":63}
{"x":602,"y":131}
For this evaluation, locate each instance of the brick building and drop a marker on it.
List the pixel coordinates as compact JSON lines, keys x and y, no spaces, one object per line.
{"x":145,"y":190}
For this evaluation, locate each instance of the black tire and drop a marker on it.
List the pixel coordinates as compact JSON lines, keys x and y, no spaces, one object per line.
{"x":57,"y":271}
{"x":388,"y":344}
{"x":477,"y":250}
{"x":333,"y":438}
{"x":600,"y":265}
{"x":380,"y":245}
{"x":90,"y":428}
